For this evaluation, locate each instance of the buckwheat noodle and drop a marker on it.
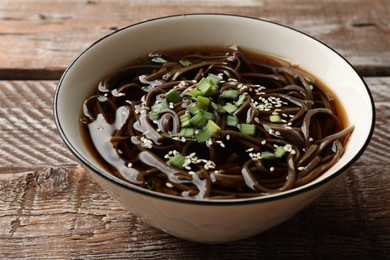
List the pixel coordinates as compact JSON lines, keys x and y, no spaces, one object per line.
{"x":230,"y":163}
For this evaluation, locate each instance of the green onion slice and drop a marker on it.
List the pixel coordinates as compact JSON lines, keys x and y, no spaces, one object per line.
{"x":230,"y":108}
{"x":185,"y":63}
{"x":230,"y":93}
{"x":279,"y":151}
{"x":275,"y":118}
{"x":248,"y":129}
{"x":177,"y":160}
{"x":231,"y":120}
{"x":159,"y":60}
{"x":173,"y":96}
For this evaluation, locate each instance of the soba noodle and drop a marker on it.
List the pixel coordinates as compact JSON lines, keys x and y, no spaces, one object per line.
{"x":216,"y":124}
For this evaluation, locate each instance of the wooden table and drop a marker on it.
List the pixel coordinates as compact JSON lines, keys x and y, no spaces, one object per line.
{"x":50,"y":209}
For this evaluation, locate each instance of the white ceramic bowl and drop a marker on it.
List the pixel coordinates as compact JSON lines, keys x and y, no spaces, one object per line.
{"x":211,"y":221}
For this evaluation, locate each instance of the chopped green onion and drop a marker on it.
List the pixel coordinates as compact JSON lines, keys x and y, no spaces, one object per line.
{"x":207,"y":86}
{"x":202,"y":102}
{"x":198,"y":120}
{"x":153,"y":116}
{"x":248,"y":129}
{"x":158,"y":107}
{"x":173,"y":96}
{"x":194,"y":93}
{"x":166,"y":135}
{"x":279,"y":151}
{"x":230,"y":93}
{"x":203,"y":85}
{"x":267,"y":155}
{"x":230,"y":108}
{"x":148,"y":88}
{"x":185,"y":120}
{"x":231,"y":120}
{"x":213,"y":127}
{"x":275,"y":118}
{"x":240,"y":100}
{"x":193,"y":110}
{"x":214,"y":78}
{"x":177,"y":160}
{"x":207,"y":115}
{"x":159,"y":60}
{"x":187,"y":132}
{"x":210,"y":130}
{"x":204,"y":135}
{"x":218,"y":108}
{"x":185,"y":63}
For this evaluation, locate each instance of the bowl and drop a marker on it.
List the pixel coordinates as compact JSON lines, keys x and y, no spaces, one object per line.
{"x":211,"y":221}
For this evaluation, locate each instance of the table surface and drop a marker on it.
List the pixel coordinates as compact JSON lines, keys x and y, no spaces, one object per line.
{"x":49,"y":208}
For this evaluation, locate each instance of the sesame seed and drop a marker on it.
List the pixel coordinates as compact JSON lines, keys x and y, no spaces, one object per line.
{"x":272,"y":169}
{"x":129,"y":165}
{"x":249,"y":149}
{"x":169,"y":185}
{"x":227,"y":137}
{"x":263,"y":142}
{"x":301,"y":168}
{"x":220,"y":143}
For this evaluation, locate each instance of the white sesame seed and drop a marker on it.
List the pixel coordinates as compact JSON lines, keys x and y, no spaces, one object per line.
{"x":220,"y":143}
{"x":301,"y":168}
{"x":129,"y":165}
{"x":263,"y":142}
{"x":272,"y":169}
{"x":169,"y":185}
{"x":249,"y":149}
{"x":228,"y":137}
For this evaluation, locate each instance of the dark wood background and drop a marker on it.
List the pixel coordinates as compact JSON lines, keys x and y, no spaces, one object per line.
{"x":49,"y":208}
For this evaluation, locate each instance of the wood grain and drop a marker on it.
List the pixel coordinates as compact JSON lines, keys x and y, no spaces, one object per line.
{"x":38,"y":39}
{"x":49,"y":208}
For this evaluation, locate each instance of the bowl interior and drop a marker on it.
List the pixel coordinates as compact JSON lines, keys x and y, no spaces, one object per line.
{"x":117,"y":49}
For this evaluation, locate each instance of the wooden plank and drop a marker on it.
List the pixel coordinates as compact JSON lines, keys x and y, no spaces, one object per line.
{"x":49,"y":208}
{"x":63,"y":210}
{"x":43,"y":36}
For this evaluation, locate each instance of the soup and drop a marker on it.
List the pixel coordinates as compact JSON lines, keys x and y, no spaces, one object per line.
{"x":214,"y":123}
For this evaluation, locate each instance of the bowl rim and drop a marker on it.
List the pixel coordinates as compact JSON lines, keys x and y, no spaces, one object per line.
{"x":224,"y":202}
